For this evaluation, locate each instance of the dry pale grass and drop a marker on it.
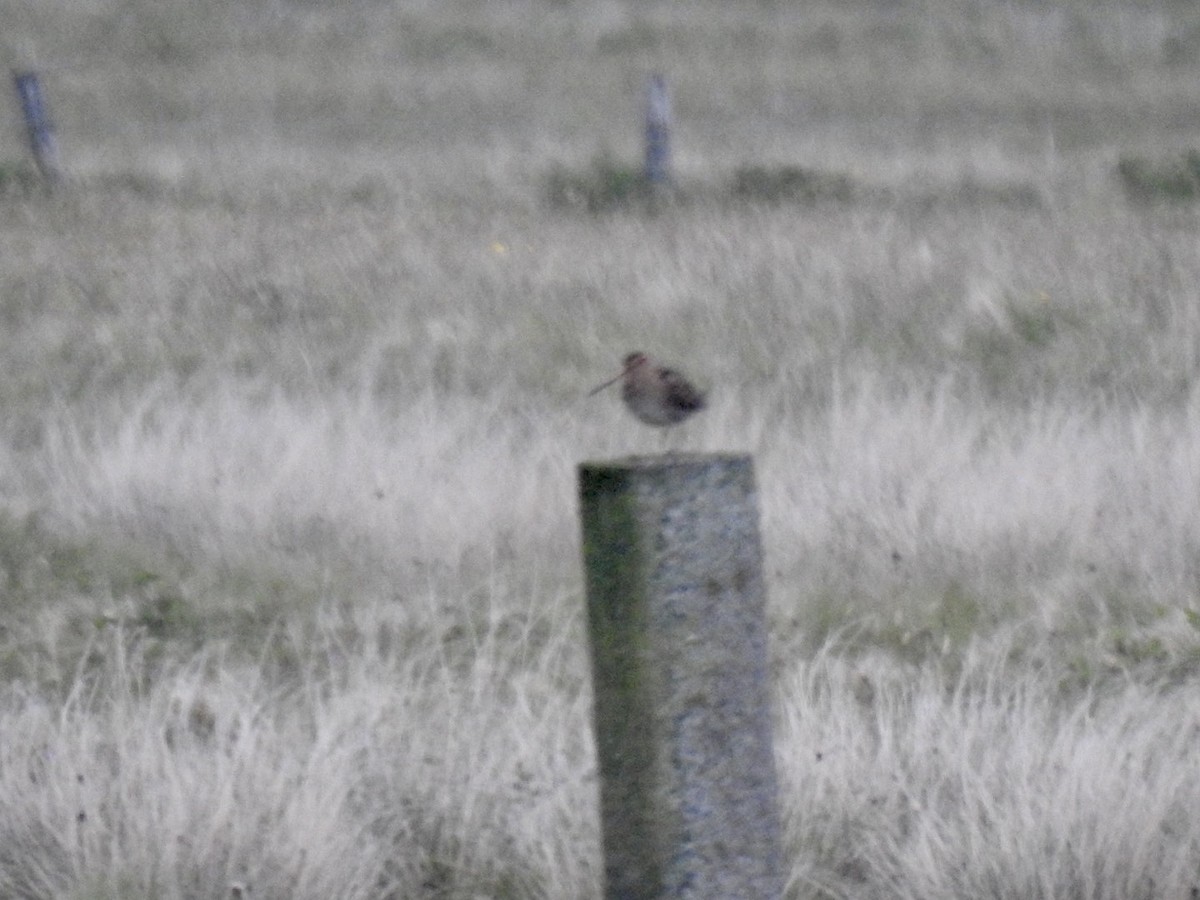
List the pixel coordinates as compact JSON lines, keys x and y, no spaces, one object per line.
{"x":395,"y":770}
{"x":293,"y":376}
{"x":388,"y":770}
{"x":986,"y":784}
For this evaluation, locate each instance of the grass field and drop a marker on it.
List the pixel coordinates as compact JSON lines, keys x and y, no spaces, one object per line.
{"x":294,"y":374}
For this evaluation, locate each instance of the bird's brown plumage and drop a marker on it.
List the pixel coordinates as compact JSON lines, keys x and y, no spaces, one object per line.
{"x":655,"y":394}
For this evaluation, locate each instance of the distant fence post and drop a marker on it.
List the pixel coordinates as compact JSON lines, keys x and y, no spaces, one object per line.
{"x":37,"y":122}
{"x":677,"y":627}
{"x":658,"y":132}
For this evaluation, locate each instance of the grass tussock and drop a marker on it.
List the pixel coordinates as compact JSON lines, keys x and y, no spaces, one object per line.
{"x":606,"y":186}
{"x":1170,"y":180}
{"x":18,"y":178}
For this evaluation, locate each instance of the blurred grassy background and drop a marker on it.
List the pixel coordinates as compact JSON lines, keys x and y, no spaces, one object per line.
{"x":293,"y":372}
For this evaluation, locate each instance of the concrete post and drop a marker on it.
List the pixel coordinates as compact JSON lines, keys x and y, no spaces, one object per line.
{"x":675,"y":602}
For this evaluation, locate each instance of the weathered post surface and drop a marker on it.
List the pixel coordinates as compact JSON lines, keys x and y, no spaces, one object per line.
{"x":38,"y":125}
{"x":658,"y":132}
{"x":675,"y":601}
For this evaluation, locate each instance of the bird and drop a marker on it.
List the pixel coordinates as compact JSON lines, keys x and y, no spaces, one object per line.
{"x":655,"y":394}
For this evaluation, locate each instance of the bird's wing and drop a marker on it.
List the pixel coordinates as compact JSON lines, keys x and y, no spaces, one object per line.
{"x":680,"y":392}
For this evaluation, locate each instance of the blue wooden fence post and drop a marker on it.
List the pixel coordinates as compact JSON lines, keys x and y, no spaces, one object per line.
{"x":658,"y":132}
{"x":38,"y":124}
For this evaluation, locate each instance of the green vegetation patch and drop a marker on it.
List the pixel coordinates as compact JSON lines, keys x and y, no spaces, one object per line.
{"x":605,"y":186}
{"x":18,"y":178}
{"x":790,"y":184}
{"x":1175,"y":179}
{"x":59,"y":593}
